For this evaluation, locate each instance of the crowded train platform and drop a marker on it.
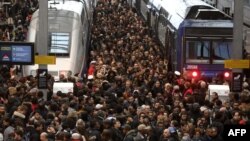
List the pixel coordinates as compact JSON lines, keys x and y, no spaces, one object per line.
{"x":127,"y":95}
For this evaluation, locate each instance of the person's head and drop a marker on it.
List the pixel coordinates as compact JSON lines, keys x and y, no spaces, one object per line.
{"x":151,"y":115}
{"x":206,"y":113}
{"x":80,"y":123}
{"x":146,"y":120}
{"x":245,"y":85}
{"x":167,"y":87}
{"x":37,"y":115}
{"x":157,"y":84}
{"x":40,"y":94}
{"x":141,"y":128}
{"x":38,"y":126}
{"x":166,"y":133}
{"x":236,"y":105}
{"x":2,"y":109}
{"x":128,"y":84}
{"x":18,"y":134}
{"x":208,"y":132}
{"x":187,"y":85}
{"x":184,"y":116}
{"x":61,"y":77}
{"x":197,"y":132}
{"x":66,"y":136}
{"x":237,"y":116}
{"x":106,"y":134}
{"x":214,"y":96}
{"x":213,"y":131}
{"x":203,"y":84}
{"x":76,"y":137}
{"x":174,"y":123}
{"x":200,"y":122}
{"x":131,"y":99}
{"x":6,"y":121}
{"x":43,"y":136}
{"x":117,"y":124}
{"x":94,"y":124}
{"x":126,"y":128}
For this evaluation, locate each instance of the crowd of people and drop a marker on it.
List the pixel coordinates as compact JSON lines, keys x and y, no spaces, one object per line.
{"x":15,"y":16}
{"x":128,"y":94}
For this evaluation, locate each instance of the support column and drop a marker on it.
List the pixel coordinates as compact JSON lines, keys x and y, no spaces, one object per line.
{"x":237,"y":51}
{"x":42,"y":42}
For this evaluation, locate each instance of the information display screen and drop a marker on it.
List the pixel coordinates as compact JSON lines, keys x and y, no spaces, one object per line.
{"x":16,"y":53}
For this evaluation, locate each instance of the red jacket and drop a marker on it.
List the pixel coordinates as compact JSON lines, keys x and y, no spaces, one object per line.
{"x":188,"y":91}
{"x":91,"y":70}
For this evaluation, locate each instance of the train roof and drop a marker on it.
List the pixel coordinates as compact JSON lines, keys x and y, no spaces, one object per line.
{"x":75,"y":6}
{"x":62,"y":6}
{"x":181,"y":7}
{"x":179,"y":10}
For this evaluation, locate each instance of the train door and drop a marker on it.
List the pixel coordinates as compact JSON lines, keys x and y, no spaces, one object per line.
{"x":152,"y":20}
{"x":170,"y":48}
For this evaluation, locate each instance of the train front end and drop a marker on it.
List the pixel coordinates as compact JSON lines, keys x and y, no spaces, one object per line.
{"x":206,"y":45}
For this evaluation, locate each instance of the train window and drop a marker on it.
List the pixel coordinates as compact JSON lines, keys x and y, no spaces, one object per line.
{"x":221,"y":51}
{"x":197,"y":51}
{"x":144,"y":8}
{"x":59,"y":43}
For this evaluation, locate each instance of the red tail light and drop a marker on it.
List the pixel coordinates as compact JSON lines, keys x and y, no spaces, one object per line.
{"x":194,"y":74}
{"x":226,"y":74}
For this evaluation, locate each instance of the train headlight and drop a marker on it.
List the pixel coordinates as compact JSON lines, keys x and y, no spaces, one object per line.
{"x":226,"y":74}
{"x":194,"y":74}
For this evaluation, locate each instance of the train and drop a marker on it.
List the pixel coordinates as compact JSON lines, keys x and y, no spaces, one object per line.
{"x":69,"y":24}
{"x":195,"y":37}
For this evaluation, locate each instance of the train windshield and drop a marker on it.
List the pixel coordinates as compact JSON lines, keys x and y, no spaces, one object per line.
{"x":59,"y":43}
{"x":197,"y":52}
{"x":221,"y":51}
{"x":205,"y":52}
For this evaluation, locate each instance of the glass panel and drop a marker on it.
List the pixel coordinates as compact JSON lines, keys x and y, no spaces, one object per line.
{"x":197,"y":51}
{"x":162,"y":30}
{"x":59,"y":43}
{"x":221,"y":50}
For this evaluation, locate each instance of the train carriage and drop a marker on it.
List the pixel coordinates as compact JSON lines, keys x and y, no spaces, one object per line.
{"x":69,"y":22}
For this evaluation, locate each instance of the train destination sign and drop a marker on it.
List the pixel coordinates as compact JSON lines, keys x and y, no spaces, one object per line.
{"x":16,"y":53}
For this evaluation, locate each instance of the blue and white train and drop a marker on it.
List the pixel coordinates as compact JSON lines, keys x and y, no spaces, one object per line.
{"x":195,"y":36}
